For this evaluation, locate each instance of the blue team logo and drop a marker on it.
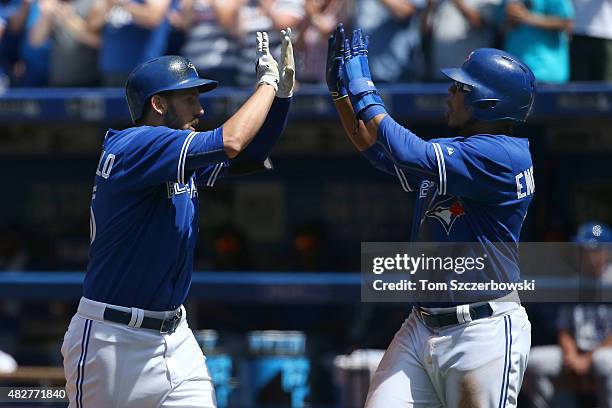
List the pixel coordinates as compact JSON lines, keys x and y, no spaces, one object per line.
{"x":447,"y":211}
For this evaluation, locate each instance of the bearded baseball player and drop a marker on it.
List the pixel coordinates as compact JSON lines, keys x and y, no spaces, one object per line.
{"x":129,"y":344}
{"x":475,"y":187}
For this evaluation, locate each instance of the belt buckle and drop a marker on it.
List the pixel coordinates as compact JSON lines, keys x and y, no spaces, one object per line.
{"x":168,"y":326}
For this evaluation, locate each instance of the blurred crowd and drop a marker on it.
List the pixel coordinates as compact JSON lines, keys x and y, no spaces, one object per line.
{"x":63,"y":43}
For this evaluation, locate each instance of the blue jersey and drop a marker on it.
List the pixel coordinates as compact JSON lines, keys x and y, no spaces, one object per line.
{"x":473,"y":189}
{"x":144,"y":208}
{"x":144,"y":217}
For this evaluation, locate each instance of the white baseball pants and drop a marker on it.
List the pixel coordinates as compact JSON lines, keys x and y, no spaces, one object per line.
{"x":479,"y":364}
{"x":113,"y":365}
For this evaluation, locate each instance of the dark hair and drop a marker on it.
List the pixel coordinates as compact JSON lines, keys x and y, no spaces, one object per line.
{"x":147,"y":107}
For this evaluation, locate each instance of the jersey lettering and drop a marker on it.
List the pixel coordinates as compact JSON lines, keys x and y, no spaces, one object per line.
{"x":529,"y":186}
{"x":425,"y":186}
{"x":177,"y":188}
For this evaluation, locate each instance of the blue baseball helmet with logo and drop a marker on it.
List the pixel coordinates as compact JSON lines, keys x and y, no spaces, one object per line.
{"x":593,"y":233}
{"x":501,"y":86}
{"x":167,"y":73}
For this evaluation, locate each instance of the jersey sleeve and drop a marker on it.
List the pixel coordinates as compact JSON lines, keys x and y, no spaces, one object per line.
{"x":254,"y":158}
{"x":474,"y":167}
{"x":156,"y":155}
{"x":377,"y":157}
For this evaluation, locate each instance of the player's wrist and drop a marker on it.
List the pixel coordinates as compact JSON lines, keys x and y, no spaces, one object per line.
{"x":270,"y":80}
{"x":369,"y":112}
{"x":267,"y":71}
{"x":336,"y":87}
{"x":284,"y":90}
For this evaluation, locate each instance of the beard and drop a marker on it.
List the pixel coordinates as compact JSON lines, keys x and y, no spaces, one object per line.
{"x":171,"y":119}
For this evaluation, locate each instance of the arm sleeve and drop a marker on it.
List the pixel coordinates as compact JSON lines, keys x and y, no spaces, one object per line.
{"x":271,"y":130}
{"x":255,"y":157}
{"x":207,"y":176}
{"x":159,"y":154}
{"x":475,"y":167}
{"x":377,"y":157}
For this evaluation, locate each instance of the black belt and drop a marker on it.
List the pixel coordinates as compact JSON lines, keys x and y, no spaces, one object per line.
{"x":449,"y":319}
{"x":164,"y":326}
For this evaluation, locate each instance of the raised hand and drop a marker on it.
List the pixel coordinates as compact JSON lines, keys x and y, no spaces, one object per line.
{"x":333,"y":71}
{"x":357,"y":78}
{"x":266,"y":66}
{"x":287,"y":71}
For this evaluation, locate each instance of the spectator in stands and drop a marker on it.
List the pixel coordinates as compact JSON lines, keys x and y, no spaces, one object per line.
{"x":582,"y":361}
{"x":536,"y":31}
{"x":320,"y":20}
{"x":454,"y":28}
{"x":3,"y":75}
{"x":211,"y":37}
{"x":30,"y":67}
{"x":71,"y":40}
{"x":395,"y":38}
{"x":6,"y":42}
{"x":2,"y":22}
{"x":263,"y":15}
{"x":176,"y":36}
{"x":132,"y":31}
{"x":591,"y":45}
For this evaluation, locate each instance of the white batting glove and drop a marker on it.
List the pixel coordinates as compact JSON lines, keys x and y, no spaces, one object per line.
{"x":267,"y":67}
{"x":287,"y":71}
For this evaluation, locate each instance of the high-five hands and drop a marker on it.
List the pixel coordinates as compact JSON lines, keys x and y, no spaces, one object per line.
{"x":287,"y":71}
{"x":335,"y":61}
{"x":266,"y":66}
{"x":357,"y":79}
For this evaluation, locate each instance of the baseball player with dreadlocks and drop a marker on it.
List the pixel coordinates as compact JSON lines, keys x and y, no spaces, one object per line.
{"x":476,"y":188}
{"x":129,"y":344}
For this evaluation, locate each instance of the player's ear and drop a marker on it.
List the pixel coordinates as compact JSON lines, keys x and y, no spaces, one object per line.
{"x":158,"y":103}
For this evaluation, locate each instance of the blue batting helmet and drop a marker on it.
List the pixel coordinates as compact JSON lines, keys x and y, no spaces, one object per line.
{"x":593,"y":233}
{"x":167,"y":73}
{"x":501,"y":86}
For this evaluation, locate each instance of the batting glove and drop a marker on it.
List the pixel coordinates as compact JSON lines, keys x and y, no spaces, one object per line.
{"x":364,"y":96}
{"x":333,"y":71}
{"x":267,"y":67}
{"x":287,"y":72}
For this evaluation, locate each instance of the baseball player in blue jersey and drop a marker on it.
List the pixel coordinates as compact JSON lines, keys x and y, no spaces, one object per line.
{"x":476,"y":188}
{"x":129,"y":344}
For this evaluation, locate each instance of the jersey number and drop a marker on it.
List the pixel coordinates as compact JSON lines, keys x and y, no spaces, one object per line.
{"x":105,"y":165}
